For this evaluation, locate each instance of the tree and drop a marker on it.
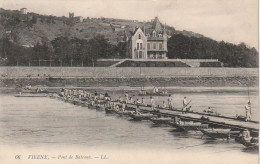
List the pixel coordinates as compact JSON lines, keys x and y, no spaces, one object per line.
{"x":99,"y":47}
{"x":84,"y":52}
{"x":61,"y":50}
{"x":14,"y":54}
{"x":121,"y":49}
{"x":180,"y":46}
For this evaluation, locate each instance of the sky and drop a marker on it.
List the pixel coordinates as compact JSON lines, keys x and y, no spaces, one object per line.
{"x":233,"y":21}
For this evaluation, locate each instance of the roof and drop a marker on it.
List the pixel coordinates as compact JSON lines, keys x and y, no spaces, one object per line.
{"x":157,"y":26}
{"x":136,"y":30}
{"x":150,"y":31}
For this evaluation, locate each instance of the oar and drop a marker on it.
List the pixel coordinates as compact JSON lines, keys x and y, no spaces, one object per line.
{"x":186,"y":105}
{"x":249,"y":98}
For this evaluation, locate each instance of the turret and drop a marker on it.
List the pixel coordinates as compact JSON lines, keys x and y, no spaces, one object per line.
{"x":157,"y":25}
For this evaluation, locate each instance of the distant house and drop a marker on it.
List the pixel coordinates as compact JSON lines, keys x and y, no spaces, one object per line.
{"x":148,"y":44}
{"x":78,"y":19}
{"x":75,"y":19}
{"x":86,"y":19}
{"x":71,"y":15}
{"x":81,"y":19}
{"x":116,"y":25}
{"x":27,"y":45}
{"x":23,"y":10}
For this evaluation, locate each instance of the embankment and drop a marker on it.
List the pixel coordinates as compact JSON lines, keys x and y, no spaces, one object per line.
{"x":130,"y":76}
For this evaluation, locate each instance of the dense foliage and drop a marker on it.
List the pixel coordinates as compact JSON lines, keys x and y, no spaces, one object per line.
{"x":67,"y":51}
{"x":12,"y":54}
{"x":62,"y":51}
{"x":183,"y":47}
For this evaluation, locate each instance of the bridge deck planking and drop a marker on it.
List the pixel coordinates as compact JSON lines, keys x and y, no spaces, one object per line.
{"x":213,"y":119}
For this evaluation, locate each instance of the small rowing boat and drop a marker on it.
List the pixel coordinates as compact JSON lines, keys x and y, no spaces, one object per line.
{"x":248,"y":141}
{"x":220,"y":133}
{"x":142,"y":116}
{"x":153,"y":94}
{"x":109,"y":110}
{"x":84,"y":104}
{"x":189,"y":126}
{"x":100,"y":107}
{"x":241,"y":118}
{"x":91,"y":106}
{"x":128,"y":108}
{"x":31,"y":95}
{"x":124,"y":113}
{"x":77,"y":102}
{"x":161,"y":120}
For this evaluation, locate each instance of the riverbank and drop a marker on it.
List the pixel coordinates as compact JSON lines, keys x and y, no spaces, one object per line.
{"x":10,"y":90}
{"x":126,"y":72}
{"x":133,"y":82}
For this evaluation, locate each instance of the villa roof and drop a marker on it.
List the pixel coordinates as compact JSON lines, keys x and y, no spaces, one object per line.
{"x":157,"y":26}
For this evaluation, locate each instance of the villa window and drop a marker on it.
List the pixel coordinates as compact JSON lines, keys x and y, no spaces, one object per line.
{"x":154,"y":34}
{"x":137,"y":46}
{"x":141,"y":46}
{"x":160,"y":46}
{"x":139,"y":36}
{"x":154,"y":46}
{"x":140,"y":54}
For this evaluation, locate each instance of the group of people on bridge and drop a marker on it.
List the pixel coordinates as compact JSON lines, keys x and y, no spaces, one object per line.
{"x":83,"y":94}
{"x":170,"y":102}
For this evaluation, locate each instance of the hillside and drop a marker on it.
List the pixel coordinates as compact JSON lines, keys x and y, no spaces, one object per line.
{"x":35,"y":40}
{"x":28,"y":29}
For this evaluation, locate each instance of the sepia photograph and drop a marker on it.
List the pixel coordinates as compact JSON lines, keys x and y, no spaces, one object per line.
{"x":129,"y":81}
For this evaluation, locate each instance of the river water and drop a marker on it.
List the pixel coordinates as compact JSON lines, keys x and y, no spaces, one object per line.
{"x":37,"y":122}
